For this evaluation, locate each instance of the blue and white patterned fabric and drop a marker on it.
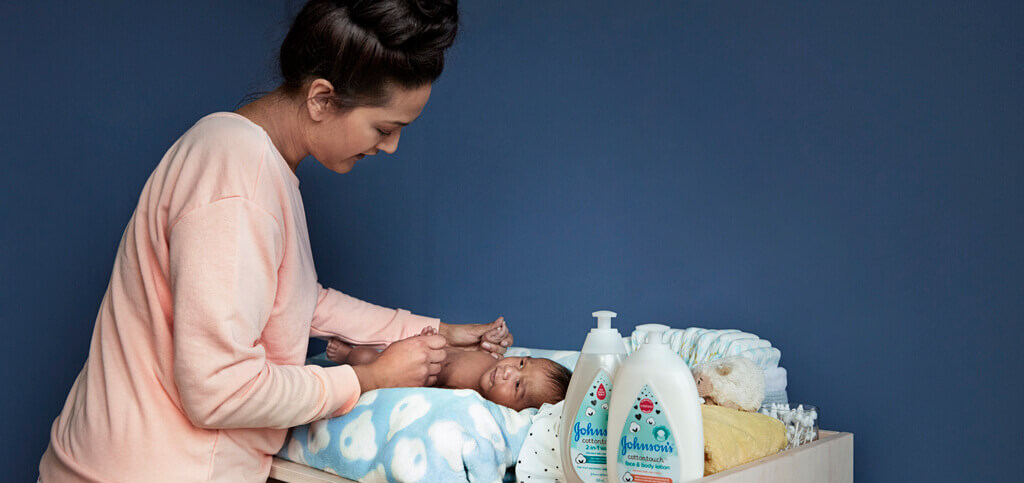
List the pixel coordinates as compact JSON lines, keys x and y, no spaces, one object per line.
{"x":414,"y":434}
{"x":697,"y":345}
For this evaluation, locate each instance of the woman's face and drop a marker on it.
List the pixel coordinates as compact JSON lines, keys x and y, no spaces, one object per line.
{"x":340,"y":139}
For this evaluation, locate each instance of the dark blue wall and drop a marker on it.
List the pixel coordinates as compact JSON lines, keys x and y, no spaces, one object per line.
{"x":838,"y":177}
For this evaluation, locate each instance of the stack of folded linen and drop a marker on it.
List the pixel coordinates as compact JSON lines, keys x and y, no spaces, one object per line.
{"x":696,"y":345}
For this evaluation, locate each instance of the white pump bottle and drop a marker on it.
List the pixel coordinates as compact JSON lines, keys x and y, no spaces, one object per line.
{"x":655,"y":429}
{"x":584,"y":427}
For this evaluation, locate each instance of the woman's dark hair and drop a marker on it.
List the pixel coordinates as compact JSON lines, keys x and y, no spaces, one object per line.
{"x":364,"y":47}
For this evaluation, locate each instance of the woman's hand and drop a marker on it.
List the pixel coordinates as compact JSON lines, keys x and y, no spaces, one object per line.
{"x":412,"y":362}
{"x":493,"y":337}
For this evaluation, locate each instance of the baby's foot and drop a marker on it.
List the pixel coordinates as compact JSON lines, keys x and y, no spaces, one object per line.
{"x":338,"y":351}
{"x":428,"y":330}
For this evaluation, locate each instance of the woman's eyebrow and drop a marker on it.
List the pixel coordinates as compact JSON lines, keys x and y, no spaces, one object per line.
{"x":402,"y":123}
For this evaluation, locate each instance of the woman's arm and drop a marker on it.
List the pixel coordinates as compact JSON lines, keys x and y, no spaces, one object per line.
{"x":223,"y":273}
{"x":362,"y":323}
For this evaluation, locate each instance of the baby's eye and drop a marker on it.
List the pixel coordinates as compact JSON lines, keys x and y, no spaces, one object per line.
{"x":522,"y":362}
{"x":517,"y":385}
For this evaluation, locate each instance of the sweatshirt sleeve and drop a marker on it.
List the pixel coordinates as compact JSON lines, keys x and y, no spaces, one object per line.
{"x":224,"y":259}
{"x":362,"y":323}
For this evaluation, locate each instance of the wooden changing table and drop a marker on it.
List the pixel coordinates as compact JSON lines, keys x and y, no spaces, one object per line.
{"x":829,"y":459}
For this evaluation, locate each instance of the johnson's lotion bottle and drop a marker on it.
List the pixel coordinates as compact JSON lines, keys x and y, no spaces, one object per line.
{"x":583,"y":430}
{"x":655,"y":430}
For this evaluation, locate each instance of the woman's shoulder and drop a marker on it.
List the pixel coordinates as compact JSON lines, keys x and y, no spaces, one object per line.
{"x":227,"y":129}
{"x":222,"y":155}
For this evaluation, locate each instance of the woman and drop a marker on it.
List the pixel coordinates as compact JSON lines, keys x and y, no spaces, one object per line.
{"x":195,"y":365}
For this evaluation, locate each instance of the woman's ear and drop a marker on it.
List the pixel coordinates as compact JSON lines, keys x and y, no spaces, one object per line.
{"x":318,"y":99}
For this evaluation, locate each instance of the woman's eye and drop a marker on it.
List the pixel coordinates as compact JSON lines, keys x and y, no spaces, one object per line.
{"x":384,"y":133}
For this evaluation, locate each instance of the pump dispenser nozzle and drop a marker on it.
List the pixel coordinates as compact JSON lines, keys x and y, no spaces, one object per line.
{"x":655,"y":332}
{"x":603,"y":339}
{"x":604,"y":318}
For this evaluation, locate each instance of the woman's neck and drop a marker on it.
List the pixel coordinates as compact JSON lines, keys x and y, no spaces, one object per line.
{"x":282,"y":119}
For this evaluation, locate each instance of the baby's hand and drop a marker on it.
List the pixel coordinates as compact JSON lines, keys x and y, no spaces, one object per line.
{"x":493,"y":338}
{"x":497,"y":339}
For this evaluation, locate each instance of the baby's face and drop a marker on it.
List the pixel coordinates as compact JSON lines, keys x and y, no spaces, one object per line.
{"x":517,"y":382}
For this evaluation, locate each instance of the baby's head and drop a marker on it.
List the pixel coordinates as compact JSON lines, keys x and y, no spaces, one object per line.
{"x":525,"y":382}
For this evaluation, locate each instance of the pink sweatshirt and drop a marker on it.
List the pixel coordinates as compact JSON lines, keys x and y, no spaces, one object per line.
{"x":195,"y":367}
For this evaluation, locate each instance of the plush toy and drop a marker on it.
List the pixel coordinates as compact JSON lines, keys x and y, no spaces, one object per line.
{"x":733,"y":382}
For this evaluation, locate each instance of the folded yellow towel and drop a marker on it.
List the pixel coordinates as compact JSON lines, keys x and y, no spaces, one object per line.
{"x":733,"y":438}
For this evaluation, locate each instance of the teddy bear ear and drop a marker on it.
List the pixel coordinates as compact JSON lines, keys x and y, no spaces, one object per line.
{"x":724,"y":370}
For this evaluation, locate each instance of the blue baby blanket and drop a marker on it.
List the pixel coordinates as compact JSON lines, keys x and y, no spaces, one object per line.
{"x":414,"y":434}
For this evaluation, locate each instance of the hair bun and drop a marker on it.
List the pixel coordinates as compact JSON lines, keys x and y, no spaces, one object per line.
{"x":362,"y":46}
{"x":434,"y":9}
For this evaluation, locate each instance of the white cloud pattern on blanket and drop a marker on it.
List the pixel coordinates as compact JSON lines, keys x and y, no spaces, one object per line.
{"x":376,"y":475}
{"x":486,"y":426}
{"x":447,"y":439}
{"x":295,"y":452}
{"x":515,"y":421}
{"x":406,"y":412}
{"x":357,"y":438}
{"x":366,"y":399}
{"x":409,"y":462}
{"x":319,"y":437}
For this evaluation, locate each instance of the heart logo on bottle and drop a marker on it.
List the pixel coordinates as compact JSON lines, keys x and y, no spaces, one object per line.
{"x":593,"y":402}
{"x":637,"y":416}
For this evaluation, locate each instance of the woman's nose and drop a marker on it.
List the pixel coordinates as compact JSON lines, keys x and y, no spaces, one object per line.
{"x":390,"y":144}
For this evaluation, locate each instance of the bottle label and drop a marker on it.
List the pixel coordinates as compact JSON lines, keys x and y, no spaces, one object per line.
{"x":647,"y":449}
{"x":589,"y":444}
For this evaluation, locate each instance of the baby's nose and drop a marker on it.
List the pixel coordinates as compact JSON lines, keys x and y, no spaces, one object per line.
{"x":506,"y":372}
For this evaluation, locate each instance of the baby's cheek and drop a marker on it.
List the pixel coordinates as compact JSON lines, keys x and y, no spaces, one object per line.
{"x":497,"y":395}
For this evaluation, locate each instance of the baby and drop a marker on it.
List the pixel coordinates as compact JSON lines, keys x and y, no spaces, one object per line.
{"x":515,"y":382}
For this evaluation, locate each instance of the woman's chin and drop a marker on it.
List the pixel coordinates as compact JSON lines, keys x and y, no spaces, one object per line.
{"x":344,"y":166}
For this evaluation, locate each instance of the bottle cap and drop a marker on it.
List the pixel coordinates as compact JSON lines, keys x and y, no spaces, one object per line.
{"x":604,"y":318}
{"x":604,"y":339}
{"x":655,"y":332}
